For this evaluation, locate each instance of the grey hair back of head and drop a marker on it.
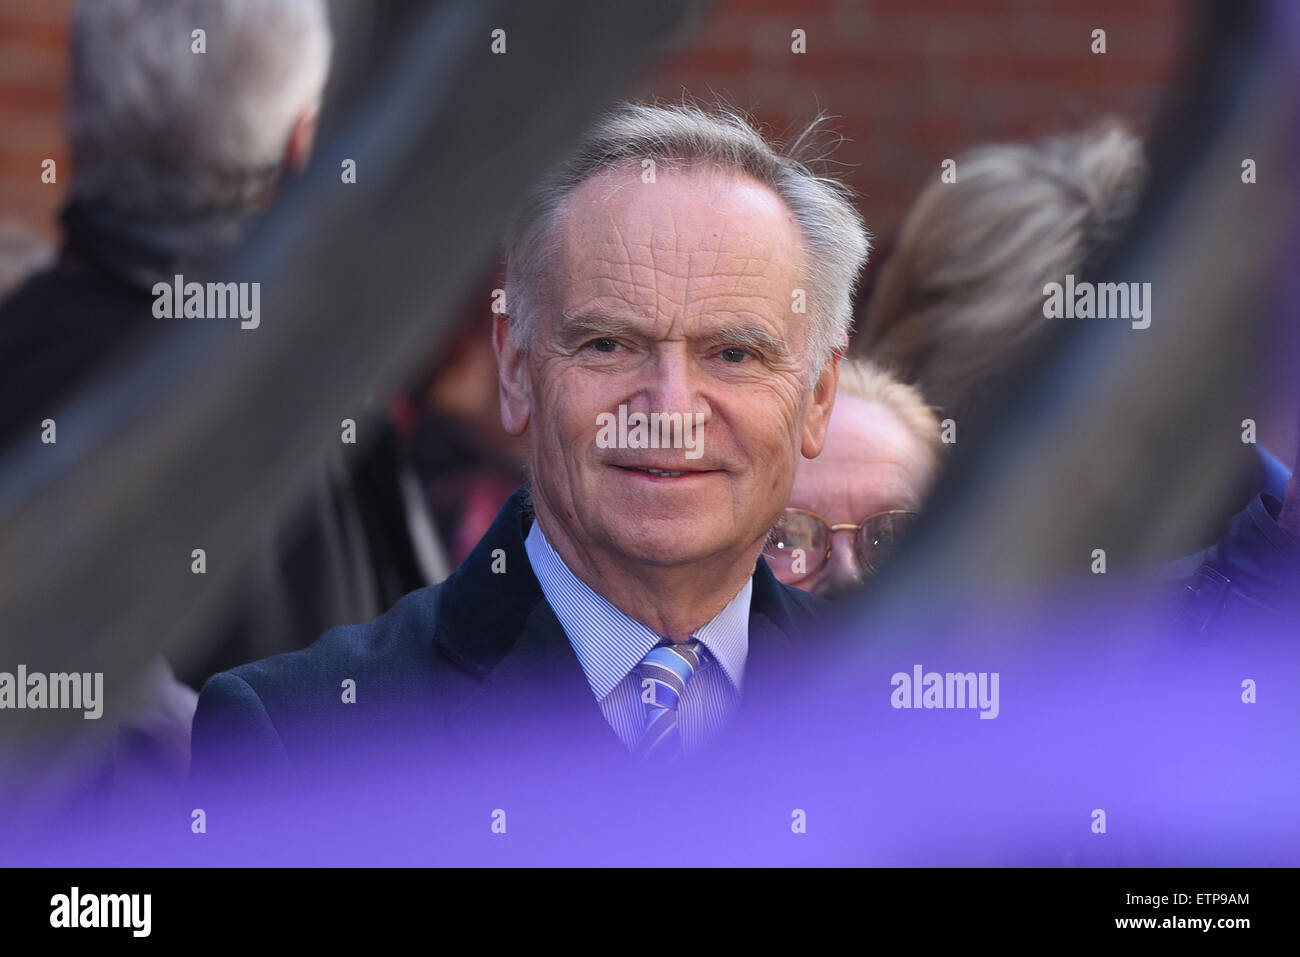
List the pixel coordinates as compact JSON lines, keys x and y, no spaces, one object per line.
{"x":159,"y":131}
{"x":835,"y":237}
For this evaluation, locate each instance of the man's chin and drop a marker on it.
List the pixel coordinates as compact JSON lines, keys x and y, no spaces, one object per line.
{"x":668,"y":550}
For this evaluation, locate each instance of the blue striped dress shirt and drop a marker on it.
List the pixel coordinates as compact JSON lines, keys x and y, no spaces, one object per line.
{"x":610,"y":645}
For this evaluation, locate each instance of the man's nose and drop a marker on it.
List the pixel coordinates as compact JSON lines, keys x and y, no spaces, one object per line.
{"x":671,"y":383}
{"x":843,"y":571}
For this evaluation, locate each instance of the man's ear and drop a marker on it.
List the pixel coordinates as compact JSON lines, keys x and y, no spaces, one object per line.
{"x":297,"y":149}
{"x":818,"y":418}
{"x":515,"y":390}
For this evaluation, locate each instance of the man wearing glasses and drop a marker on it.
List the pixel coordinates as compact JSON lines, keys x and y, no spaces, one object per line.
{"x":852,"y":504}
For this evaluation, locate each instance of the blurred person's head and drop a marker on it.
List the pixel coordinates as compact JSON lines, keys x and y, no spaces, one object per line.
{"x":675,"y":293}
{"x":960,"y":301}
{"x":881,"y":456}
{"x":161,"y":133}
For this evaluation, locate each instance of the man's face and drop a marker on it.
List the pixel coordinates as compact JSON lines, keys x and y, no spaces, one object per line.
{"x":669,"y":297}
{"x":871,"y":463}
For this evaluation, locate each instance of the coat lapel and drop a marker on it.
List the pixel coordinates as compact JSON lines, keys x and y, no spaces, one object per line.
{"x":773,"y":624}
{"x":777,"y":638}
{"x":497,"y":626}
{"x":536,"y":692}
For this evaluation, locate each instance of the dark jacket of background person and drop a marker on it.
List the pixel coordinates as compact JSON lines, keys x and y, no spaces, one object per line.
{"x":478,"y":654}
{"x":81,"y":315}
{"x":343,"y":556}
{"x":345,"y":553}
{"x":1248,"y":582}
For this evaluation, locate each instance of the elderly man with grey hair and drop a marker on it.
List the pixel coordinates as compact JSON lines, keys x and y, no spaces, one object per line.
{"x":177,"y":140}
{"x":677,"y":291}
{"x":183,"y":116}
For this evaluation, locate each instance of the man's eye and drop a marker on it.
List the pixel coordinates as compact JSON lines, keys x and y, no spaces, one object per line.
{"x":734,"y":355}
{"x":603,"y":345}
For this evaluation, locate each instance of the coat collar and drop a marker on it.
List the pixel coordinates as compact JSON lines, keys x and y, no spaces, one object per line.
{"x":485,"y":603}
{"x":140,"y":252}
{"x":484,"y":606}
{"x":493,"y":621}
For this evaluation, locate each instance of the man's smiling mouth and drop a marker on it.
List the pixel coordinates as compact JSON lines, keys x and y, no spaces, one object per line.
{"x":663,"y":473}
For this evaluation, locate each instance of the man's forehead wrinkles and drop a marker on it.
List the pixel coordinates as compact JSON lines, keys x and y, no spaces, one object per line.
{"x":678,"y":265}
{"x":715,"y":302}
{"x":624,"y":243}
{"x":717,"y":250}
{"x":724,"y":324}
{"x":686,"y":280}
{"x":690,"y":270}
{"x":599,"y":267}
{"x":752,"y":263}
{"x":711,"y":309}
{"x":635,"y":236}
{"x":655,"y":274}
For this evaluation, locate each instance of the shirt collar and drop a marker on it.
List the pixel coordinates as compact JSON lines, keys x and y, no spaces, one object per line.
{"x":607,"y":642}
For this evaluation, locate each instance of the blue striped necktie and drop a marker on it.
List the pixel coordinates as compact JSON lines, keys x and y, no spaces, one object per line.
{"x":665,"y":672}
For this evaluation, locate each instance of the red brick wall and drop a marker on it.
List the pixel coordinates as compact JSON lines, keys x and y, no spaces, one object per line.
{"x":914,"y":80}
{"x":33,"y":68}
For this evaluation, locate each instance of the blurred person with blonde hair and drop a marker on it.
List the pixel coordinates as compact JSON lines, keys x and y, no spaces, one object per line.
{"x":958,"y":308}
{"x":959,"y":303}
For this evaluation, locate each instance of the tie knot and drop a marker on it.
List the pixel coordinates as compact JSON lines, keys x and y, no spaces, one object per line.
{"x":666,"y":670}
